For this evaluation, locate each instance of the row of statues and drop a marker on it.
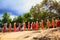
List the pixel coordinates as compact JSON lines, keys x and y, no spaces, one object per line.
{"x":33,"y":25}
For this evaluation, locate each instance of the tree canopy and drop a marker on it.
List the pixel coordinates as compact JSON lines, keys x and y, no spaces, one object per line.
{"x":47,"y":9}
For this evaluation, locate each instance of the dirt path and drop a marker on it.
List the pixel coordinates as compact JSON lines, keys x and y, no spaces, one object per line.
{"x":30,"y":35}
{"x":18,"y":35}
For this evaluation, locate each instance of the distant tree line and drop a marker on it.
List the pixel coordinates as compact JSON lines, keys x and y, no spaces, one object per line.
{"x":47,"y":9}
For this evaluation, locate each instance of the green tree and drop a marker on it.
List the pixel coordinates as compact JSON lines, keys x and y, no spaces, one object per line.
{"x":10,"y":20}
{"x":0,"y":20}
{"x":14,"y":20}
{"x":19,"y":19}
{"x":48,"y":9}
{"x":26,"y":17}
{"x":5,"y":17}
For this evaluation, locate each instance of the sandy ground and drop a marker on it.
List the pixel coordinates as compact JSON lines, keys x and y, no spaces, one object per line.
{"x":30,"y":35}
{"x":23,"y":35}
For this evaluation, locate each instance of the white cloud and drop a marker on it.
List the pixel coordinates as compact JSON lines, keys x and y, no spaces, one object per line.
{"x":0,"y":16}
{"x":12,"y":16}
{"x":29,"y":4}
{"x":57,"y":0}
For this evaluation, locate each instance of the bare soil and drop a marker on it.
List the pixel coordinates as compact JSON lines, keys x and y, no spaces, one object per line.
{"x":49,"y":34}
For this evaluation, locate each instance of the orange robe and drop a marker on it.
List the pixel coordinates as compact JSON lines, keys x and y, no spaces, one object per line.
{"x":25,"y":26}
{"x":36,"y":26}
{"x":28,"y":26}
{"x":56,"y":22}
{"x":9,"y":28}
{"x":4,"y":28}
{"x":48,"y":25}
{"x":33,"y":26}
{"x":53,"y":23}
{"x":19,"y":27}
{"x":15,"y":28}
{"x":42,"y":25}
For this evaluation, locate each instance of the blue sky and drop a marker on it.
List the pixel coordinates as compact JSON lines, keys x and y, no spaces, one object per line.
{"x":16,"y":7}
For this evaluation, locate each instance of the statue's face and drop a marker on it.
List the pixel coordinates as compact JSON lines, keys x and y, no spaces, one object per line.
{"x":56,"y":20}
{"x":28,"y":22}
{"x":10,"y":23}
{"x":32,"y":22}
{"x":24,"y":22}
{"x":14,"y":23}
{"x":42,"y":20}
{"x":36,"y":21}
{"x":47,"y":20}
{"x":52,"y":19}
{"x":4,"y":24}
